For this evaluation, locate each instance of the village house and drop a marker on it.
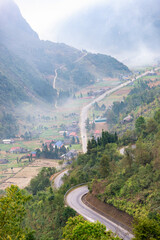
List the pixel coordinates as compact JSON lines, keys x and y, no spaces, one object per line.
{"x":127,"y":119}
{"x":48,"y":142}
{"x":70,"y":155}
{"x":151,"y":73}
{"x":97,"y":133}
{"x":61,"y":133}
{"x":59,"y":144}
{"x":18,"y":150}
{"x":73,"y":134}
{"x":3,"y":161}
{"x":99,"y":120}
{"x":33,"y":154}
{"x":8,"y":141}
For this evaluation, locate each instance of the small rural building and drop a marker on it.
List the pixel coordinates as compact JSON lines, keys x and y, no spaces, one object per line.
{"x":151,"y":73}
{"x":96,"y":132}
{"x":33,"y":154}
{"x":127,"y":119}
{"x":68,"y":156}
{"x":18,"y":150}
{"x":48,"y":142}
{"x":59,"y":144}
{"x":100,"y":120}
{"x":73,"y":134}
{"x":8,"y":141}
{"x":3,"y":161}
{"x":61,"y":133}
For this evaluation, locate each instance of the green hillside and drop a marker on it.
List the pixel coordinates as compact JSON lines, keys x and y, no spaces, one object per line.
{"x":90,"y":68}
{"x":129,"y":182}
{"x":29,"y":63}
{"x":21,"y":81}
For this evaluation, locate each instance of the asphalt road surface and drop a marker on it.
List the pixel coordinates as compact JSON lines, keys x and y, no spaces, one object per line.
{"x":74,"y":200}
{"x":84,"y":111}
{"x":58,"y":180}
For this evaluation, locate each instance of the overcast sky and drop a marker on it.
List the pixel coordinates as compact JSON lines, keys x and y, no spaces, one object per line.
{"x":45,"y":16}
{"x":122,"y":28}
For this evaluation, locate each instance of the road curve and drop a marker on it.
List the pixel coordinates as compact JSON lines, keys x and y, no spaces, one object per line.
{"x":74,"y":200}
{"x":84,"y":113}
{"x":58,"y":180}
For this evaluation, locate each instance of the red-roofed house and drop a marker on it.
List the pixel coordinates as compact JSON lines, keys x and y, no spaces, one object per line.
{"x":96,"y":132}
{"x":18,"y":150}
{"x":73,"y":134}
{"x":48,"y":142}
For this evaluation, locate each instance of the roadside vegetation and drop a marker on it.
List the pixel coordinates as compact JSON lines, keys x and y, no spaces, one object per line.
{"x":130,"y":182}
{"x":143,"y":99}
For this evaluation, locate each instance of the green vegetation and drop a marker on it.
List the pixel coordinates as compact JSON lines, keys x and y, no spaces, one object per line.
{"x":51,"y":153}
{"x":79,"y":229}
{"x":8,"y":125}
{"x":131,"y":182}
{"x":19,"y":75}
{"x":91,"y":67}
{"x":147,"y":228}
{"x":43,"y":212}
{"x":140,"y":95}
{"x":46,"y":213}
{"x":12,"y":213}
{"x":42,"y":181}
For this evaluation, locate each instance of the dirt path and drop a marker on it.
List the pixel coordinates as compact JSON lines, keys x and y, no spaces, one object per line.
{"x":61,"y":67}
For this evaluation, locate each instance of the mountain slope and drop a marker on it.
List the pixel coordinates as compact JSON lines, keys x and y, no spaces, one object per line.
{"x":23,"y":78}
{"x":29,"y":64}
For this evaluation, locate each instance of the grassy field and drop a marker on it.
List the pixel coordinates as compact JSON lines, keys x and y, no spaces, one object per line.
{"x":46,"y":122}
{"x":22,"y":176}
{"x":108,"y":100}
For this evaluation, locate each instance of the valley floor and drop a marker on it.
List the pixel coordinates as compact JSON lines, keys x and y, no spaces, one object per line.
{"x":22,"y":176}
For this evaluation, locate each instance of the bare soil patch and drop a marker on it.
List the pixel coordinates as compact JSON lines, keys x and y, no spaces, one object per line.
{"x":109,"y":211}
{"x":154,"y":84}
{"x":101,"y":126}
{"x":123,"y":91}
{"x":45,"y":163}
{"x":111,"y":79}
{"x":11,"y":171}
{"x":23,"y":176}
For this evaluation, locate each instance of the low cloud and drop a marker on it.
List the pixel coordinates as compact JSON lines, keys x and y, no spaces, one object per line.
{"x":122,"y":28}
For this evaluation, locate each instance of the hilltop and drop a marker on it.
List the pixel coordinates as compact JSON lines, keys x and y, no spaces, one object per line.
{"x":27,"y":64}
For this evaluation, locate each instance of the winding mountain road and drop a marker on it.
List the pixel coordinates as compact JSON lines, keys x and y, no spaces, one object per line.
{"x":74,"y":200}
{"x":74,"y":197}
{"x":84,"y":111}
{"x":58,"y":179}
